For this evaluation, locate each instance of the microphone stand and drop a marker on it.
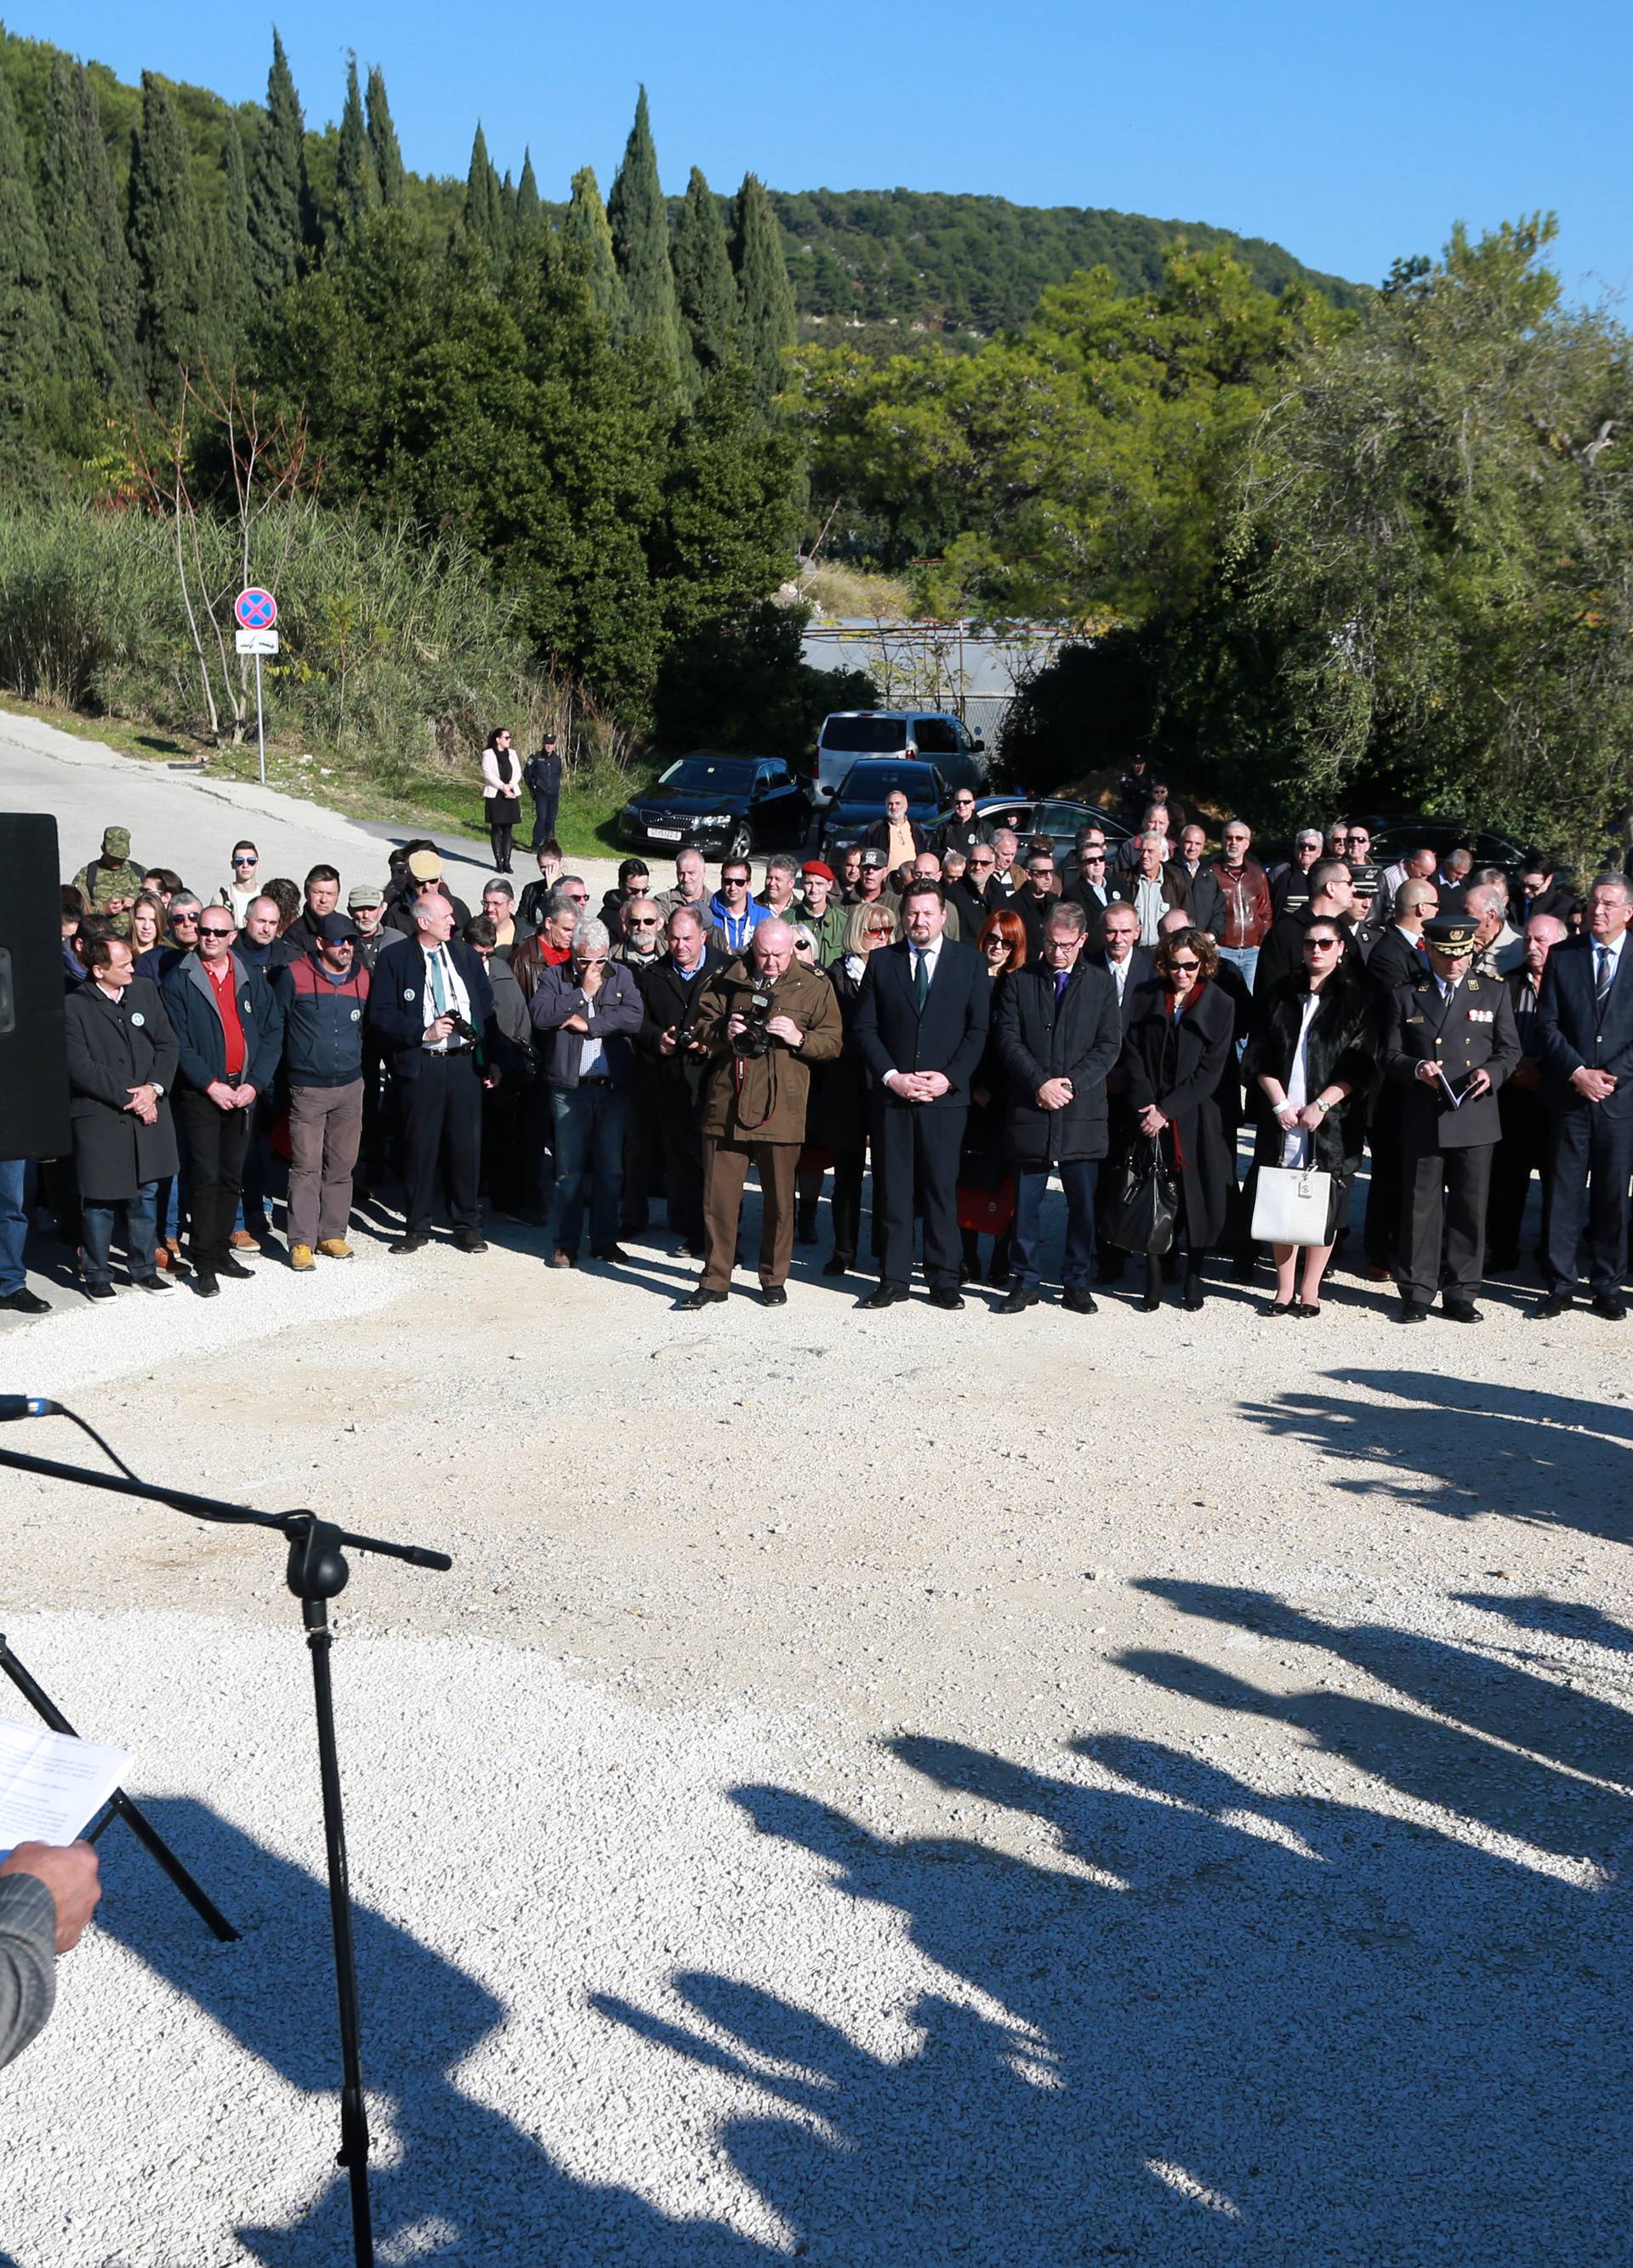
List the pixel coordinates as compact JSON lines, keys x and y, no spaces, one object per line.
{"x":316,"y":1572}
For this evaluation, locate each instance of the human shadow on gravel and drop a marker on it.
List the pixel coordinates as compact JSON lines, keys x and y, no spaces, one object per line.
{"x":1188,"y":2020}
{"x":452,"y":2179}
{"x":1468,"y":1448}
{"x":1568,"y":1619}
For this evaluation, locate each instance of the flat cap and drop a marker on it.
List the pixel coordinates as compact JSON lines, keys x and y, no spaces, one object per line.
{"x":366,"y":894}
{"x":425,"y":866}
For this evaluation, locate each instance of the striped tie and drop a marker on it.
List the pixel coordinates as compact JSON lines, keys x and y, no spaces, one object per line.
{"x":1601,"y":975}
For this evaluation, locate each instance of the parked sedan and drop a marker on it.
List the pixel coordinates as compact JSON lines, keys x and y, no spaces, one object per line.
{"x":1053,"y":818}
{"x":860,"y":798}
{"x":723,"y":806}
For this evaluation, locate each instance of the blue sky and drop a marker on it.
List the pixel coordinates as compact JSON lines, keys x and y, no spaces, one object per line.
{"x":1349,"y":134}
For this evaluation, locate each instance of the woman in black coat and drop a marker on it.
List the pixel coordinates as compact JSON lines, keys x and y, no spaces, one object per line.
{"x":122,"y":1063}
{"x":985,"y":1181}
{"x":1179,"y":1036}
{"x":837,"y":1111}
{"x":1312,"y":1067}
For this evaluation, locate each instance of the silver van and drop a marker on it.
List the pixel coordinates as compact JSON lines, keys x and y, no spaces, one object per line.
{"x":932,"y":735}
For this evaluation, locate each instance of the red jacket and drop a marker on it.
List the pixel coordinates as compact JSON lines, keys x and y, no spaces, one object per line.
{"x":1248,"y":913}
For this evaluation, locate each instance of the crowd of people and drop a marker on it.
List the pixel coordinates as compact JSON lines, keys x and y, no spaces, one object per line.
{"x":953,"y":1008}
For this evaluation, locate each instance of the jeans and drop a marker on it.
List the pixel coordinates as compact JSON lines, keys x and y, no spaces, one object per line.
{"x":96,"y":1233}
{"x":13,"y":1225}
{"x":1244,"y":957}
{"x":1079,"y":1177}
{"x":590,"y":1139}
{"x":544,"y":808}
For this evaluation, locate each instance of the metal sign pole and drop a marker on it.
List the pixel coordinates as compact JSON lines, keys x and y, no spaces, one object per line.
{"x":261,"y":733}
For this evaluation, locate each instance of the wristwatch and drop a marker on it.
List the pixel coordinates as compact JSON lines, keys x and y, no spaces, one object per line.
{"x":158,"y":1090}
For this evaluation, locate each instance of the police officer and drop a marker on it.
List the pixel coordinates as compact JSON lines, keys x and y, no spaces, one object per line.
{"x":1449,"y":1043}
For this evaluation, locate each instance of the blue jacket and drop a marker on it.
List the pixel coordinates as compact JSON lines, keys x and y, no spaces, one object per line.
{"x":322,"y":1022}
{"x":732,"y":931}
{"x":190,"y":1005}
{"x":614,"y":1016}
{"x":396,"y":1002}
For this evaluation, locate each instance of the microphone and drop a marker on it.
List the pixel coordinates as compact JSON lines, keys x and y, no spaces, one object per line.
{"x":26,"y":1405}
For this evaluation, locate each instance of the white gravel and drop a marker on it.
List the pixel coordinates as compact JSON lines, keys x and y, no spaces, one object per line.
{"x":902,"y":1789}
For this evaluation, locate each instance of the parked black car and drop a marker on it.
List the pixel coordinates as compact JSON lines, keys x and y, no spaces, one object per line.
{"x":1056,"y":819}
{"x":860,"y":798}
{"x":1393,"y":838}
{"x":724,"y":806}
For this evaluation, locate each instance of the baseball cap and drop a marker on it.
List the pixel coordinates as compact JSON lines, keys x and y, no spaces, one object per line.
{"x":366,"y":894}
{"x":874,"y":859}
{"x":334,"y":928}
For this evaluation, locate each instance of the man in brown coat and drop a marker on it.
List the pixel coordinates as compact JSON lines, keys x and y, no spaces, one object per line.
{"x":765,"y":1021}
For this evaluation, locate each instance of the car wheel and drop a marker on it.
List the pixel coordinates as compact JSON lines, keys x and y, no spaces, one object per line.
{"x":739,"y":842}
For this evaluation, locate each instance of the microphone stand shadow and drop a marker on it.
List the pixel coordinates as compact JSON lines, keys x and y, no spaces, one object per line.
{"x":316,"y":1571}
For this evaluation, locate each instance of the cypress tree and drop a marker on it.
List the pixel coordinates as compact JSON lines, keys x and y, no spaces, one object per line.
{"x":482,"y":195}
{"x":383,"y":139}
{"x":63,"y":211}
{"x":639,"y":222}
{"x":769,"y":321}
{"x":530,"y":211}
{"x":116,"y":275}
{"x":238,"y":283}
{"x":280,"y":207}
{"x":704,"y":282}
{"x":27,"y":318}
{"x":587,"y":240}
{"x":177,"y":318}
{"x":357,"y":183}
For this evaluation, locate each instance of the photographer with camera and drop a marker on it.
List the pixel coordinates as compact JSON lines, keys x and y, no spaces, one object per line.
{"x":765,"y":1021}
{"x":670,"y":991}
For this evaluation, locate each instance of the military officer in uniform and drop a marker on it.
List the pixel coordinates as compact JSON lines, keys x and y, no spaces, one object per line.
{"x":1449,"y":1043}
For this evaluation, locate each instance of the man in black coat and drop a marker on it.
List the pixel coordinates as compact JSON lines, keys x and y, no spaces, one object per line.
{"x":121,"y":1065}
{"x":1130,"y":966}
{"x":1059,"y":1034}
{"x":671,"y":990}
{"x":429,"y":994}
{"x":1400,"y":957}
{"x":1586,"y":1020}
{"x":1448,"y":1044}
{"x":1204,"y":899}
{"x":1331,"y":897}
{"x":1526,"y":1124}
{"x":921,"y":1028}
{"x":963,"y":830}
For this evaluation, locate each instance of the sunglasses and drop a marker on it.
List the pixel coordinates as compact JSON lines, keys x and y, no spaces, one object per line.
{"x":215,"y":933}
{"x":1321,"y":943}
{"x":176,"y":920}
{"x":642,"y":923}
{"x":578,"y":897}
{"x":800,"y":945}
{"x":1183,"y":967}
{"x":734,"y":881}
{"x":242,"y":861}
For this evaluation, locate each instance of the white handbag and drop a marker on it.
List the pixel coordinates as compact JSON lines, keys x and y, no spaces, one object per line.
{"x":1291,"y":1205}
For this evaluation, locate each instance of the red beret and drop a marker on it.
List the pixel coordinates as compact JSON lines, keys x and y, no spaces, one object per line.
{"x":815,"y":866}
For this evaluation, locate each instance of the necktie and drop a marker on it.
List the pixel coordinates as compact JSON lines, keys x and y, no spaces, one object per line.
{"x":920,"y":980}
{"x":1062,"y":977}
{"x":439,"y":988}
{"x":1602,"y":974}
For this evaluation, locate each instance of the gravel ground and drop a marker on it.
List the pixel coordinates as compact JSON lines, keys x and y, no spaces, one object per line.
{"x":899,"y":1788}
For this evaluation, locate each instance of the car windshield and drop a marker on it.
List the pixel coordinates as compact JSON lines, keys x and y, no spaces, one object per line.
{"x":865,"y":736}
{"x":877,"y":781}
{"x":706,"y":776}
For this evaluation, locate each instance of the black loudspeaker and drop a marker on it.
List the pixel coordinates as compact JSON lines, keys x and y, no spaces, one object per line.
{"x":33,"y":1050}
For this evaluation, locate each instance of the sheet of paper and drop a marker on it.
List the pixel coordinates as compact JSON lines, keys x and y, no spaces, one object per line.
{"x":51,"y":1787}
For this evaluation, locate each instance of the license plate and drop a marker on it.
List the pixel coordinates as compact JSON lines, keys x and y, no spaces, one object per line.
{"x":664,"y":835}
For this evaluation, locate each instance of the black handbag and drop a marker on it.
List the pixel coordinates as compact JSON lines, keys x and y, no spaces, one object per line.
{"x":1143,"y":1214}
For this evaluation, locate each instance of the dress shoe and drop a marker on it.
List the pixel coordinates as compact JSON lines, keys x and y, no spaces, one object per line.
{"x":946,"y":1295}
{"x":153,"y":1283}
{"x":1558,"y":1303}
{"x":300,"y":1258}
{"x":560,"y":1259}
{"x":236,"y":1268}
{"x":1375,"y":1274}
{"x":613,"y":1253}
{"x":1021,"y":1298}
{"x":415,"y":1241}
{"x":1284,"y":1307}
{"x":1076,"y":1301}
{"x":334,"y":1248}
{"x":888,"y":1295}
{"x":205,"y":1284}
{"x":1461,"y":1311}
{"x":470,"y":1240}
{"x":701,"y":1298}
{"x":1306,"y":1310}
{"x":1412,"y":1311}
{"x":98,"y":1290}
{"x":839,"y":1265}
{"x":241,"y":1240}
{"x":25,"y":1302}
{"x":1613,"y":1310}
{"x":773,"y":1295}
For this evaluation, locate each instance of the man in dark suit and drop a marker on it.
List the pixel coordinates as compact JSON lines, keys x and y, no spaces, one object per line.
{"x":671,"y":990}
{"x":121,"y":1065}
{"x":1130,"y":965}
{"x":920,"y":1028}
{"x":1400,"y":957}
{"x":429,"y":993}
{"x":1523,"y":1150}
{"x":1058,"y":1035}
{"x":1448,"y":1044}
{"x":1036,"y":898}
{"x":1585,"y":1016}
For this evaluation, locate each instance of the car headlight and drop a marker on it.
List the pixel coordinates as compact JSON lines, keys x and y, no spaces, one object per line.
{"x":717,"y":819}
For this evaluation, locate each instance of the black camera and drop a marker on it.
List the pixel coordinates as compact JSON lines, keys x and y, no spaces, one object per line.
{"x":754,"y":1039}
{"x":686,"y":1034}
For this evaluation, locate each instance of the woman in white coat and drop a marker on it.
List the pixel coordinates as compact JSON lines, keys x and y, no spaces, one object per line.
{"x":501,"y":794}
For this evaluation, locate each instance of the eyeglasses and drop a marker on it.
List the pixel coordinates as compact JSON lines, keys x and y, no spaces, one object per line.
{"x":215,"y":933}
{"x":1183,"y":967}
{"x":1321,"y":943}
